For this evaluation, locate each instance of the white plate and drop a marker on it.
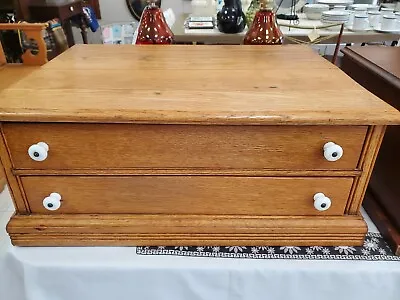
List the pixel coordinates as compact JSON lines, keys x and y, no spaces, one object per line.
{"x":336,"y":13}
{"x":378,"y":29}
{"x":332,"y":22}
{"x":334,"y":18}
{"x":317,"y":6}
{"x":365,"y":6}
{"x":350,"y":27}
{"x":336,"y":2}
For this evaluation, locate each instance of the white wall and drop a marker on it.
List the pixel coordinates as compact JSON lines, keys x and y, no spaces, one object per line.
{"x":117,"y":11}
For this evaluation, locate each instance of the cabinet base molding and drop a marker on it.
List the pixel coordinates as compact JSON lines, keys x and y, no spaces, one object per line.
{"x":188,"y":230}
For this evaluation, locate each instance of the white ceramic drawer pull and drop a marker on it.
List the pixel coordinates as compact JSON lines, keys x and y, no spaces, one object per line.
{"x":332,"y":151}
{"x":38,"y":152}
{"x":321,"y":202}
{"x":52,"y":202}
{"x":71,"y":8}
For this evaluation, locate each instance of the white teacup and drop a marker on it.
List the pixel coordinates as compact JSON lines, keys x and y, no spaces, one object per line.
{"x":388,"y":22}
{"x":385,"y":11}
{"x":397,"y":20}
{"x":374,"y":18}
{"x":339,"y":7}
{"x":356,"y":11}
{"x":360,"y":22}
{"x":373,"y":8}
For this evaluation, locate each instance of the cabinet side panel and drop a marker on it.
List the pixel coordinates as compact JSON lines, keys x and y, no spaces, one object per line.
{"x":13,"y":183}
{"x":370,"y":152}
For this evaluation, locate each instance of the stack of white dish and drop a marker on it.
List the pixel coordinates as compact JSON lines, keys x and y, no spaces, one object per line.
{"x":367,"y":7}
{"x":314,"y":11}
{"x":335,"y":16}
{"x":332,"y":3}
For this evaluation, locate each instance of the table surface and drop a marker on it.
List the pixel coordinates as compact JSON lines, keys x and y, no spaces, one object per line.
{"x":378,"y":69}
{"x":214,"y":36}
{"x":191,"y":84}
{"x":386,"y":58}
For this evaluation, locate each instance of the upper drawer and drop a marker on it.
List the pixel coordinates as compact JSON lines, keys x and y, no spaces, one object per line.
{"x":105,"y":146}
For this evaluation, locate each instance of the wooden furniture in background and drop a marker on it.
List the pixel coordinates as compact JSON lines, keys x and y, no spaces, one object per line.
{"x":190,"y":146}
{"x":39,"y":11}
{"x":22,"y":8}
{"x":32,"y":31}
{"x":6,"y":5}
{"x":378,"y":70}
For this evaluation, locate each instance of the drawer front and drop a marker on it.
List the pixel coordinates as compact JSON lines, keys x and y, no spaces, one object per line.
{"x":107,"y":146}
{"x":187,"y":194}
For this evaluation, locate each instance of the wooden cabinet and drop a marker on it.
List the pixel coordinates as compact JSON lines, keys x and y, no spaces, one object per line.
{"x":40,"y":11}
{"x":378,"y":70}
{"x":201,"y":149}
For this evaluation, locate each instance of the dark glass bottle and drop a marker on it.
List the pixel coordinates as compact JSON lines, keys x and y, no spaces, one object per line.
{"x":264,"y":30}
{"x":153,"y":29}
{"x":231,"y":18}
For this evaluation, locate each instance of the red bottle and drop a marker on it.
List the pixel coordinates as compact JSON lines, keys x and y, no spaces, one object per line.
{"x":264,"y":30}
{"x":153,"y":29}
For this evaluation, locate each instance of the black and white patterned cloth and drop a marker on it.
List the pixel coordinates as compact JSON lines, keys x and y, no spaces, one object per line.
{"x":374,"y":249}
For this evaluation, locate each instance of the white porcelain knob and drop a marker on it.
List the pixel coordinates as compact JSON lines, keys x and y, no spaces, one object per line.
{"x":52,"y":202}
{"x":321,"y":202}
{"x":38,"y":152}
{"x":71,"y":8}
{"x":332,"y":151}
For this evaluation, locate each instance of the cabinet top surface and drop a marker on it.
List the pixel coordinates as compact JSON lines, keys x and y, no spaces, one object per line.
{"x":189,"y":84}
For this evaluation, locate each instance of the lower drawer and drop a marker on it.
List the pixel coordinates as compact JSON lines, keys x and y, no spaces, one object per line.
{"x":187,"y":194}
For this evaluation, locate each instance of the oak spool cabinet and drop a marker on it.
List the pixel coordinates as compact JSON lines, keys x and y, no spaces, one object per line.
{"x":188,"y":145}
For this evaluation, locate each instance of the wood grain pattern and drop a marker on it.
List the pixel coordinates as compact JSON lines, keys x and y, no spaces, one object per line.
{"x":191,"y":172}
{"x":254,"y":89}
{"x":130,"y":230}
{"x":369,"y":156}
{"x":14,"y":73}
{"x":206,"y":195}
{"x":107,"y":146}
